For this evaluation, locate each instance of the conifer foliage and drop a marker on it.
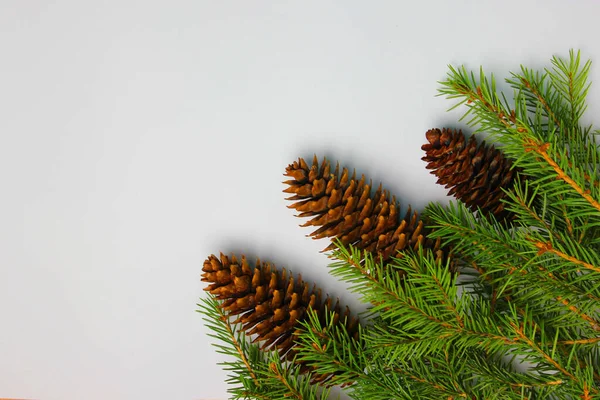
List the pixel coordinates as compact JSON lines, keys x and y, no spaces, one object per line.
{"x":523,"y":319}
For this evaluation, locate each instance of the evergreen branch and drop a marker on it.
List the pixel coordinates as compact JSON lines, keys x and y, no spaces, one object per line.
{"x":521,"y":204}
{"x":413,"y":295}
{"x":224,"y":332}
{"x":542,"y":150}
{"x":594,"y":323}
{"x":547,"y":248}
{"x":447,"y":302}
{"x":528,"y":291}
{"x":538,"y":94}
{"x":586,"y":176}
{"x":524,"y":385}
{"x":492,"y":284}
{"x":518,"y":198}
{"x":279,"y":376}
{"x":437,"y":372}
{"x":481,"y":98}
{"x":406,"y":301}
{"x":451,"y":393}
{"x":515,"y":281}
{"x":329,"y":349}
{"x":542,"y":100}
{"x":505,"y":296}
{"x":237,"y":346}
{"x":387,"y":345}
{"x":258,"y":374}
{"x":282,"y":375}
{"x":368,"y":278}
{"x":570,"y":81}
{"x":547,"y":357}
{"x":566,"y":216}
{"x":586,"y":392}
{"x":496,"y":116}
{"x":520,"y":385}
{"x":580,"y":341}
{"x":536,"y":385}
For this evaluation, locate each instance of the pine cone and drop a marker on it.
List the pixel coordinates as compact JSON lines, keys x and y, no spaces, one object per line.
{"x":344,"y":208}
{"x":268,"y":302}
{"x":475,"y":174}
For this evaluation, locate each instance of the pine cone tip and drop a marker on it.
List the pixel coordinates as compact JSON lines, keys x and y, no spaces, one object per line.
{"x":433,"y":137}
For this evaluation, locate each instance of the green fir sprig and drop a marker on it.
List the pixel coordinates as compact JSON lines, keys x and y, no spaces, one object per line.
{"x":433,"y":340}
{"x":254,"y":373}
{"x":518,"y":314}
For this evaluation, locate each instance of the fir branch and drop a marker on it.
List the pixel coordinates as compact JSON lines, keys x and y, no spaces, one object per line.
{"x":408,"y":335}
{"x":498,"y":250}
{"x":546,"y":247}
{"x":521,"y":205}
{"x":482,"y":101}
{"x":445,"y":289}
{"x":540,"y":93}
{"x":296,"y":386}
{"x":580,"y":341}
{"x":236,"y":345}
{"x":382,"y":285}
{"x":332,"y":352}
{"x":570,"y":81}
{"x":496,"y":373}
{"x":328,"y":348}
{"x":539,"y":90}
{"x":519,"y":330}
{"x":531,"y":145}
{"x":255,"y":374}
{"x":231,"y":343}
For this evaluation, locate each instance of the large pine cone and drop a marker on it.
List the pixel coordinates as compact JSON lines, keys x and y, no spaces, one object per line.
{"x":344,"y":208}
{"x":475,"y":174}
{"x":269,"y":302}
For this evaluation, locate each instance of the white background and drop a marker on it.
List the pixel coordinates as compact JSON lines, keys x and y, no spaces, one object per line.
{"x":138,"y":137}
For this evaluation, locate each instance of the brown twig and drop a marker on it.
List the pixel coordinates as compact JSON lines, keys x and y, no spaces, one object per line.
{"x":237,"y":346}
{"x":580,"y":341}
{"x":292,"y":392}
{"x":542,"y":150}
{"x":547,"y":248}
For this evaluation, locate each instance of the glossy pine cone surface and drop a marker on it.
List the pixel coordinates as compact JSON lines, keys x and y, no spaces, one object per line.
{"x":268,"y":302}
{"x":345,"y":208}
{"x":474,"y":173}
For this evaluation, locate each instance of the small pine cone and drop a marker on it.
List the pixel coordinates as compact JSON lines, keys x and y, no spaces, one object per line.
{"x":269,"y":303}
{"x":344,"y":208}
{"x":475,"y":174}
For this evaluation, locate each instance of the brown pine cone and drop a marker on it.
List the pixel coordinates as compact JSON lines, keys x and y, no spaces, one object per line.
{"x":475,"y":174}
{"x":269,"y":302}
{"x":344,"y":208}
